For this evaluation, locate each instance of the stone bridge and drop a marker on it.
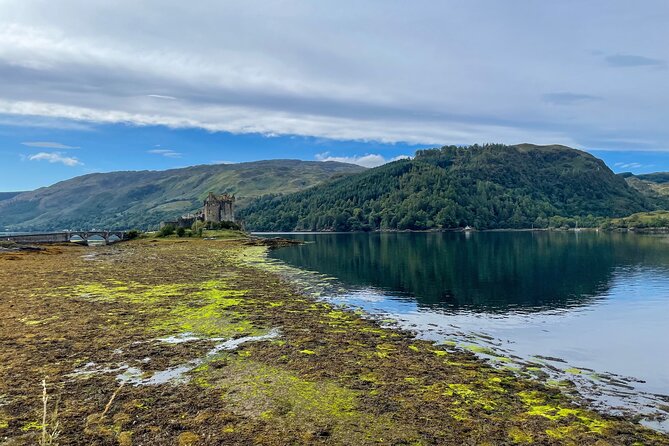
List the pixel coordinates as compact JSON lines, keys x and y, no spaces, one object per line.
{"x":68,"y":236}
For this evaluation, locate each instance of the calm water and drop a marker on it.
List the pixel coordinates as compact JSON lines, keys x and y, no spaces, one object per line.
{"x":589,"y":307}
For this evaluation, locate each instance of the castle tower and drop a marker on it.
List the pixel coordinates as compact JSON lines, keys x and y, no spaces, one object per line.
{"x":227,"y":208}
{"x":218,"y":208}
{"x":212,"y":208}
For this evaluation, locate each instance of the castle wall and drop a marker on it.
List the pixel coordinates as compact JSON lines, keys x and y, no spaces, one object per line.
{"x":227,"y":212}
{"x":212,"y":212}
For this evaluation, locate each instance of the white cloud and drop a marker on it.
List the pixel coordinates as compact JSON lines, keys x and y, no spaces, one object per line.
{"x":632,"y":165}
{"x":56,"y":157}
{"x":367,"y":160}
{"x":93,"y":62}
{"x":48,"y":145}
{"x":168,"y":153}
{"x":239,"y":119}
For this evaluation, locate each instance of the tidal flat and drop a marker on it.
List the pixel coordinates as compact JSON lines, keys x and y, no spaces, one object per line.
{"x":196,"y":342}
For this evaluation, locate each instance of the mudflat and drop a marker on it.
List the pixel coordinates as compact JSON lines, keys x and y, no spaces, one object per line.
{"x":200,"y":342}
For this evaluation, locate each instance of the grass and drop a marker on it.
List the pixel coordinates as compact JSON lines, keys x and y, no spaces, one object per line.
{"x":50,"y":424}
{"x":655,"y":219}
{"x":228,"y":234}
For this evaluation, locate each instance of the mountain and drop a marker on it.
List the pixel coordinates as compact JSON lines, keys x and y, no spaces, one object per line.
{"x":487,"y":187}
{"x":8,"y":195}
{"x":655,"y":186}
{"x":139,"y":199}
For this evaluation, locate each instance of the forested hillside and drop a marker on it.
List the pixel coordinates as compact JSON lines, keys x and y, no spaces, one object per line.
{"x":139,"y":199}
{"x":486,"y":187}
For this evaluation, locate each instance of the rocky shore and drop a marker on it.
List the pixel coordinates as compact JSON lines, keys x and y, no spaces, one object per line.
{"x":195,"y":342}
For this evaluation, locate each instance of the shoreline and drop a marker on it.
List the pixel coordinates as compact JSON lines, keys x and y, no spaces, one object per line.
{"x":460,"y":230}
{"x":301,"y":371}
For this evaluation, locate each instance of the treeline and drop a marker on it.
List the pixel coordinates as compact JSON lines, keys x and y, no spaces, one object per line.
{"x":485,"y":187}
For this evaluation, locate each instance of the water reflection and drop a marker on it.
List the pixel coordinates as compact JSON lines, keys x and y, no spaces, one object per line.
{"x":482,"y":272}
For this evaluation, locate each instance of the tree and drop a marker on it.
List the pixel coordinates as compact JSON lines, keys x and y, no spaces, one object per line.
{"x":166,"y":231}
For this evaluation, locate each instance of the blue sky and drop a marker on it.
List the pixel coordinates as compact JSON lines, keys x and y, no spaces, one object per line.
{"x":102,"y":86}
{"x":104,"y":148}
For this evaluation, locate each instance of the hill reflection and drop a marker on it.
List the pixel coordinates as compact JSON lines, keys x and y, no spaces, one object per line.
{"x":491,"y":272}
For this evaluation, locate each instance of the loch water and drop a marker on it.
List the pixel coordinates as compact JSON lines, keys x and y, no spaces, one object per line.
{"x":588,"y":307}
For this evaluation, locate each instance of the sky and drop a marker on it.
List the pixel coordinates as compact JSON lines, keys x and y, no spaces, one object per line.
{"x":156,"y":84}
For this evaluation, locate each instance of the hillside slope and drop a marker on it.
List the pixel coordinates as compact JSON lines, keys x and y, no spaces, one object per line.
{"x":491,"y":186}
{"x":653,"y":185}
{"x":8,"y":195}
{"x":142,"y":198}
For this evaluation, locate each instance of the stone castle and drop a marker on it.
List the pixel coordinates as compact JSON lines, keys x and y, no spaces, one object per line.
{"x":216,"y":208}
{"x":219,"y":208}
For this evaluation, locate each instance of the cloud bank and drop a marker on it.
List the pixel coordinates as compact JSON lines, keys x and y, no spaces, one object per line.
{"x":429,"y":73}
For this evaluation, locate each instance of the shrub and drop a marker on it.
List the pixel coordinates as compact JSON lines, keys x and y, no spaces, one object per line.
{"x":166,"y":230}
{"x":132,"y":234}
{"x":212,"y":225}
{"x":181,"y":232}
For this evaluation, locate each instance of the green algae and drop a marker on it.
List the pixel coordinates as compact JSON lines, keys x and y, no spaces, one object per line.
{"x":384,"y":350}
{"x":581,"y":420}
{"x":494,"y":384}
{"x":308,"y":352}
{"x":283,"y":398}
{"x":265,"y":389}
{"x":369,"y":378}
{"x":519,"y":436}
{"x":132,"y":291}
{"x":211,"y":320}
{"x":462,"y":390}
{"x":464,"y":397}
{"x":481,"y":350}
{"x":558,"y":383}
{"x":205,"y":309}
{"x":32,"y":426}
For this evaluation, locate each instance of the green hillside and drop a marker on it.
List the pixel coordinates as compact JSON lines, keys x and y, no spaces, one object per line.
{"x":487,"y":187}
{"x":655,"y":186}
{"x":640,"y":221}
{"x":144,"y":198}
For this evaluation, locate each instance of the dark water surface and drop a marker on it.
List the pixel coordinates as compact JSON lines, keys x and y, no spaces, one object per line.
{"x":596,"y":304}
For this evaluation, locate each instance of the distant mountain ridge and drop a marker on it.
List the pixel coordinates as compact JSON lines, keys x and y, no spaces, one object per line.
{"x":486,"y":187}
{"x":7,"y":195}
{"x":138,"y":199}
{"x":655,"y":186}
